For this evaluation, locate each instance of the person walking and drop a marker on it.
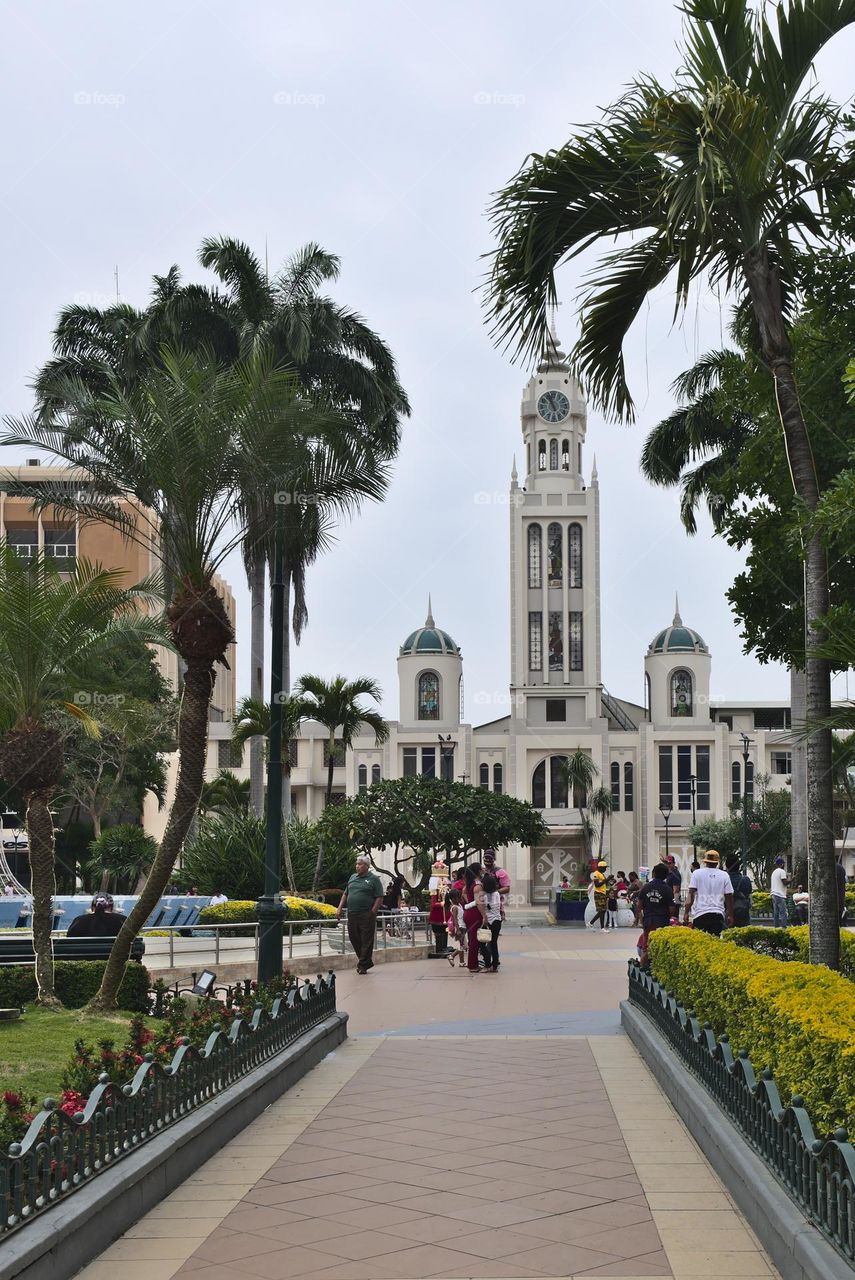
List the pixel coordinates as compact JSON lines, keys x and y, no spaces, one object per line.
{"x":362,"y":896}
{"x":495,"y":916}
{"x":601,"y":895}
{"x":474,"y":913}
{"x":675,"y":879}
{"x":710,"y":900}
{"x":742,"y":889}
{"x":656,"y":904}
{"x":778,"y":890}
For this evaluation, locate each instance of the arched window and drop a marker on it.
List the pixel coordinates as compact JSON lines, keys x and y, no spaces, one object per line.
{"x":615,"y":781}
{"x":681,"y":693}
{"x":375,"y":773}
{"x":541,"y":455}
{"x":497,"y":779}
{"x":362,"y":774}
{"x":484,"y":776}
{"x":557,"y":782}
{"x":565,"y":455}
{"x":534,"y":555}
{"x":538,"y":786}
{"x":555,"y":554}
{"x":553,"y":455}
{"x":428,"y":696}
{"x":574,"y":555}
{"x":549,"y":788}
{"x":627,"y":786}
{"x":735,"y":783}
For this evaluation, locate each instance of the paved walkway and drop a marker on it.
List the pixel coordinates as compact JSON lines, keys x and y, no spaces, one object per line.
{"x":433,"y":1144}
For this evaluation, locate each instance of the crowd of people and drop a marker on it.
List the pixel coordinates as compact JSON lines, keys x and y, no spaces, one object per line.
{"x":473,"y":911}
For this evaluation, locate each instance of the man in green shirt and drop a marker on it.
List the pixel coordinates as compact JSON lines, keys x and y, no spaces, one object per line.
{"x":362,"y":897}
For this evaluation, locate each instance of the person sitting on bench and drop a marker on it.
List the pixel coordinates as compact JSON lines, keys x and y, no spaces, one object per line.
{"x":101,"y":921}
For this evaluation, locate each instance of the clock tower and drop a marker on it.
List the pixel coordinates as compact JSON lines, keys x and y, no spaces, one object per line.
{"x":555,"y":557}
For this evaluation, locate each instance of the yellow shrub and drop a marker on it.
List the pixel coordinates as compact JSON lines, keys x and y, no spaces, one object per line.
{"x":314,"y":910}
{"x":796,"y":1019}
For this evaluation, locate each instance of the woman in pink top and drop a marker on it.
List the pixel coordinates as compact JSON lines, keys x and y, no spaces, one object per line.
{"x":475,"y":912}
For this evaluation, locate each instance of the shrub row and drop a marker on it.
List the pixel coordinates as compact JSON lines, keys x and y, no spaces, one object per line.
{"x":762,"y":902}
{"x":796,"y":1019}
{"x":76,"y":984}
{"x":297,"y":909}
{"x":791,"y":944}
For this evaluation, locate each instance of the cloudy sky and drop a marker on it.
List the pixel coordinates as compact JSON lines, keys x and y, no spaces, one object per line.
{"x":378,"y":130}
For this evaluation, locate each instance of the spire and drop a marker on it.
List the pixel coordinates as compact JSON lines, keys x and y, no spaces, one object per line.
{"x":429,"y":622}
{"x":514,"y":476}
{"x":553,"y":358}
{"x":594,"y":473}
{"x":678,"y":621}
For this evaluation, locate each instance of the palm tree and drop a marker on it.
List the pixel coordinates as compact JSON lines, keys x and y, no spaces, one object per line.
{"x":336,"y":705}
{"x":717,"y":180}
{"x":252,"y":724}
{"x":225,"y":793}
{"x":601,"y":806}
{"x":186,"y":441}
{"x":50,"y":623}
{"x":577,"y":772}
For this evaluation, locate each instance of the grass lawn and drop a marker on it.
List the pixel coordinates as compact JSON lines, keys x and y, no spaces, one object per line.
{"x":35,"y":1050}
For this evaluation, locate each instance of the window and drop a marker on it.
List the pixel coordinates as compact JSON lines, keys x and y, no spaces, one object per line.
{"x":541,"y":456}
{"x":627,"y":786}
{"x":410,"y":762}
{"x":229,"y":756}
{"x":772,"y":718}
{"x":666,"y":778}
{"x":484,"y":776}
{"x":338,"y":754}
{"x":576,"y":654}
{"x":579,"y":457}
{"x":24,"y":541}
{"x":702,"y":779}
{"x":556,"y":642}
{"x":362,"y":778}
{"x":428,"y":696}
{"x":61,"y":546}
{"x":556,"y":709}
{"x":375,"y":773}
{"x":684,"y":776}
{"x":728,"y":720}
{"x":782,"y":762}
{"x":615,"y":788}
{"x":534,"y":555}
{"x":736,"y":783}
{"x":553,"y":455}
{"x":293,"y":746}
{"x":574,"y":555}
{"x":565,"y":455}
{"x":497,"y":779}
{"x":446,"y":763}
{"x":428,"y":762}
{"x":554,"y":554}
{"x":535,"y":641}
{"x":557,"y":782}
{"x":749,"y":782}
{"x":538,"y":786}
{"x":681,"y":693}
{"x":548,"y":787}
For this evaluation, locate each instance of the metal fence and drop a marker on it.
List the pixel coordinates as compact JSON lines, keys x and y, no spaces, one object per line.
{"x":817,"y":1173}
{"x":61,"y":1153}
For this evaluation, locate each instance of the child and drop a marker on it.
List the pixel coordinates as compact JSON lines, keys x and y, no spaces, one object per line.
{"x":457,"y":931}
{"x":611,"y":904}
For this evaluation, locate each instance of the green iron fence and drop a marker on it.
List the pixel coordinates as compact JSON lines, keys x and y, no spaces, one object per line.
{"x":817,"y":1173}
{"x":61,"y":1153}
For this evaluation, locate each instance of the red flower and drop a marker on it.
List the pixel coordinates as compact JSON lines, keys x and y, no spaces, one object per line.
{"x":13,"y":1100}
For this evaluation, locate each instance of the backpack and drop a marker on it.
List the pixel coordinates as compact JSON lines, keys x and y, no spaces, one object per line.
{"x":741,"y":899}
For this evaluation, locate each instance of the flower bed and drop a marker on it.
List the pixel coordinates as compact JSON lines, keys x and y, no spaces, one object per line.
{"x":239,"y":912}
{"x":795,"y":1019}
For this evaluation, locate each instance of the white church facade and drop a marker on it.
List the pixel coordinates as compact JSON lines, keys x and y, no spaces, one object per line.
{"x":675,"y":758}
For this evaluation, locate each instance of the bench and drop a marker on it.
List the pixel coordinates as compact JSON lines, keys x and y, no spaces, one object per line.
{"x":15,"y":950}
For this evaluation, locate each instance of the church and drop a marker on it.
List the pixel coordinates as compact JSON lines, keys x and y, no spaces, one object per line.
{"x":677,"y":758}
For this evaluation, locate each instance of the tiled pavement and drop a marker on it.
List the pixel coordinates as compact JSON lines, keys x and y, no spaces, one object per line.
{"x":453,"y":1156}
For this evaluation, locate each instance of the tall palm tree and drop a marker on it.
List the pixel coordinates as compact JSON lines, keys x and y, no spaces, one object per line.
{"x":252,"y":723}
{"x":578,"y":771}
{"x":601,"y":806}
{"x":186,"y":441}
{"x":715,"y":179}
{"x":50,"y":623}
{"x":336,"y":705}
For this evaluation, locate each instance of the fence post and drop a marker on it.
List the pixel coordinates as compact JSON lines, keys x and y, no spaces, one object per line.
{"x":172,"y":948}
{"x":216,"y":944}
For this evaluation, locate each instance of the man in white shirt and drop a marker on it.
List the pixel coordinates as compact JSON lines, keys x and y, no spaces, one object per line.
{"x":778,"y":889}
{"x":710,"y":896}
{"x":217,"y":900}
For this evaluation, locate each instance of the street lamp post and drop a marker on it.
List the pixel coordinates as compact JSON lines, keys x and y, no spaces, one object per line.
{"x":271,"y":912}
{"x":693,"y":787}
{"x":746,"y":743}
{"x":666,"y":810}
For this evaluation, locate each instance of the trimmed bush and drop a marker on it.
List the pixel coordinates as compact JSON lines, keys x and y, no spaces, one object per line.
{"x":247,"y":913}
{"x":314,"y":910}
{"x":761,"y":903}
{"x":796,"y":1019}
{"x":76,"y":984}
{"x":791,"y":944}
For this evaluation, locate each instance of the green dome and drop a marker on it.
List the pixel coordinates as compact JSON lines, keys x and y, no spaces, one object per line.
{"x":677,"y":639}
{"x":429,"y":639}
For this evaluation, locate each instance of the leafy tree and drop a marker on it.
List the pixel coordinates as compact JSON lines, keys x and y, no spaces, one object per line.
{"x":122,"y":854}
{"x":226,"y":855}
{"x":716,"y":179}
{"x":601,"y":807}
{"x":50,"y":622}
{"x":769,"y":831}
{"x":225,"y":793}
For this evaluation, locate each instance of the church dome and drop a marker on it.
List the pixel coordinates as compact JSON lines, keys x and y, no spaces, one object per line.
{"x":429,"y":639}
{"x":677,"y":638}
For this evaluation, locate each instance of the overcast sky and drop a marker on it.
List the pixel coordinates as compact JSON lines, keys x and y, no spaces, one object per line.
{"x":378,"y":130}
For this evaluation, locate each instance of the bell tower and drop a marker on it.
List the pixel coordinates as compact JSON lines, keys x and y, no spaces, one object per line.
{"x":555,"y":555}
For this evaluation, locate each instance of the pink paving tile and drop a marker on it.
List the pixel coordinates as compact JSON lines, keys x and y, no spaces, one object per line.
{"x":652,"y":1264}
{"x":562,"y":1259}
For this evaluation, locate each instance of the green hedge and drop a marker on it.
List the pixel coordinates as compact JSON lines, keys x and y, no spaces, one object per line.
{"x":791,"y":944}
{"x":796,"y":1019}
{"x":76,"y":983}
{"x":246,"y":913}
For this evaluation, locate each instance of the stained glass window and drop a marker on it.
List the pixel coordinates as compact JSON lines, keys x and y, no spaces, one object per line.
{"x":535,"y":641}
{"x":681,"y":693}
{"x":554,"y":551}
{"x":553,"y":455}
{"x":576,"y":646}
{"x":574,"y":555}
{"x":428,"y":696}
{"x":556,"y":642}
{"x":534,"y":555}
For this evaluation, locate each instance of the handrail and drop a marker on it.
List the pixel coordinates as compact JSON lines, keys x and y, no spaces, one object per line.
{"x":817,"y":1173}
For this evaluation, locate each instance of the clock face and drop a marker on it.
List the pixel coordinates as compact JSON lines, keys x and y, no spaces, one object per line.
{"x":553,"y":406}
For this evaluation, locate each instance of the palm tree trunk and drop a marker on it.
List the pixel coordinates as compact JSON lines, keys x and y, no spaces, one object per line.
{"x":257,"y":582}
{"x":798,"y":786}
{"x":40,"y":838}
{"x":286,"y":688}
{"x":766,"y":299}
{"x":192,"y":742}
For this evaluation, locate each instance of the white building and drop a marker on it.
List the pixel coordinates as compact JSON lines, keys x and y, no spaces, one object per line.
{"x":679,"y":755}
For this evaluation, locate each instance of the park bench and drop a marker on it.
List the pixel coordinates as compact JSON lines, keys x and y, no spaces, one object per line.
{"x":17,"y":950}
